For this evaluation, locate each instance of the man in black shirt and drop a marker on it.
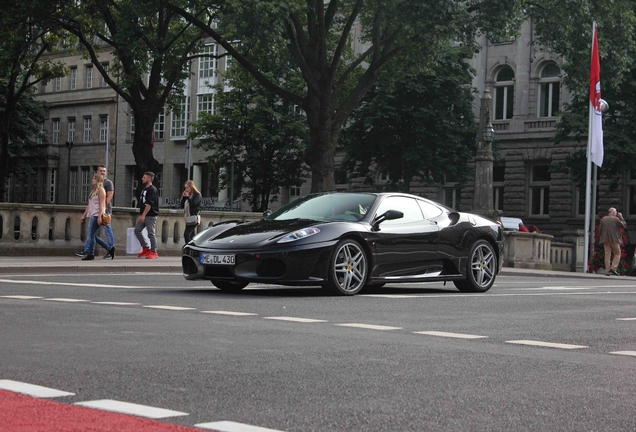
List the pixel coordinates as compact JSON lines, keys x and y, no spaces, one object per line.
{"x":149,"y":208}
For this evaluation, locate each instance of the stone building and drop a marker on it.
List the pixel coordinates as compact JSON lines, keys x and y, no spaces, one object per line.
{"x":524,"y":81}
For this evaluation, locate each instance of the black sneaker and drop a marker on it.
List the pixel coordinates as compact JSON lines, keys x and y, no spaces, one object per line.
{"x":110,"y":254}
{"x":81,"y":254}
{"x":614,"y":272}
{"x":88,"y":257}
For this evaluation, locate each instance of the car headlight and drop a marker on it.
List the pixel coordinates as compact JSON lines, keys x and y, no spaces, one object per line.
{"x":299,"y":234}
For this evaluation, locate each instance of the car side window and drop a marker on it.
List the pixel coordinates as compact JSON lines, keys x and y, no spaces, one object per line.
{"x":408,"y":206}
{"x":429,"y":210}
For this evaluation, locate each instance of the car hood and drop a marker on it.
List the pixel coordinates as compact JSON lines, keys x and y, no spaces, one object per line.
{"x":254,"y":233}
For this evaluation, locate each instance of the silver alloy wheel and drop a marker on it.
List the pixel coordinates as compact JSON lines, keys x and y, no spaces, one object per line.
{"x":483,"y":265}
{"x":349,"y":267}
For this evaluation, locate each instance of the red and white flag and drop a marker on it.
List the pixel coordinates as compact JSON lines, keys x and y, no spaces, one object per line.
{"x":596,"y":123}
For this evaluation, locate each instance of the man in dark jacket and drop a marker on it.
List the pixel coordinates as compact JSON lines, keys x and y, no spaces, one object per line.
{"x":611,"y":238}
{"x":149,"y":208}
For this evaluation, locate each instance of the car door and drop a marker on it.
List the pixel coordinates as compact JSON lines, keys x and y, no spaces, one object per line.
{"x":405,"y":246}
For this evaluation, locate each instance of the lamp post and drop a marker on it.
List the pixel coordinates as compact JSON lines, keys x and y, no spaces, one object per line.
{"x":229,"y":135}
{"x":484,"y":161}
{"x":69,"y":146}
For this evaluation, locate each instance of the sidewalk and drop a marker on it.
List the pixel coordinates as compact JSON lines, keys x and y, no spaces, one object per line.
{"x":172,"y":264}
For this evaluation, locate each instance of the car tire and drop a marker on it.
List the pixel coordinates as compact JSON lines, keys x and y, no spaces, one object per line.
{"x":230,"y":286}
{"x":481,"y":268}
{"x":348,"y":268}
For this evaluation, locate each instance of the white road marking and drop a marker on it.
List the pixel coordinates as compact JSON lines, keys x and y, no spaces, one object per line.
{"x":625,"y":319}
{"x":229,"y":313}
{"x":131,"y":408}
{"x":32,"y":390}
{"x":174,"y":308}
{"x":627,"y":353}
{"x":450,"y":335}
{"x":558,"y":288}
{"x":229,"y":426}
{"x":546,"y":344}
{"x":32,"y":282}
{"x":302,"y":320}
{"x":21,"y":297}
{"x":68,"y":300}
{"x":369,"y":326}
{"x":116,"y":303}
{"x":465,"y":295}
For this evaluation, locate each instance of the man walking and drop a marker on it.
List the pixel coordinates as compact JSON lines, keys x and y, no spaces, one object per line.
{"x":149,"y":208}
{"x":611,"y":238}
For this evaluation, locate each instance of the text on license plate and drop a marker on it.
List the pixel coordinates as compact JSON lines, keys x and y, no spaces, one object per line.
{"x":217,"y":259}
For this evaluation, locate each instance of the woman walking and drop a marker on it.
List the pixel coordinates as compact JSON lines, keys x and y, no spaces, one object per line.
{"x":94,"y":210}
{"x":190,"y":202}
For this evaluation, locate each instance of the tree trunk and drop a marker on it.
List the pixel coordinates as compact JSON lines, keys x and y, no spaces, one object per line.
{"x":4,"y":160}
{"x":143,"y":148}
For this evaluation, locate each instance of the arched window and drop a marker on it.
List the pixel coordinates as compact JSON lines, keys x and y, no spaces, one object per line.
{"x":504,"y":94}
{"x":549,"y":90}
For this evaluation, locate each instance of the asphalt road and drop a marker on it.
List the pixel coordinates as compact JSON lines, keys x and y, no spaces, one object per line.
{"x":531,"y":354}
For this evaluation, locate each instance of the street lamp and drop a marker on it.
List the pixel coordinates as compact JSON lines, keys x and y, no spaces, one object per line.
{"x":69,"y":146}
{"x":230,"y":135}
{"x":488,"y":133}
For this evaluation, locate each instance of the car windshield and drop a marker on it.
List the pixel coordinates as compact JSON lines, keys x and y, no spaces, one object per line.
{"x":327,"y":207}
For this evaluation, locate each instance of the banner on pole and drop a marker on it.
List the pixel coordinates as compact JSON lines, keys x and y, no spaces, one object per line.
{"x":596,"y":124}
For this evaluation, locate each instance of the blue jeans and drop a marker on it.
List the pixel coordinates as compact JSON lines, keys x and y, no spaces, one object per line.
{"x":92,"y":237}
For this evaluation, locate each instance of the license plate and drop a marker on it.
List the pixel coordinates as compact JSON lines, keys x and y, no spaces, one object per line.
{"x":216,"y":259}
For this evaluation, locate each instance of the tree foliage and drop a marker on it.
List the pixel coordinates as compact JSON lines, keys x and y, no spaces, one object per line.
{"x":264,"y":134}
{"x":416,"y":123}
{"x":565,"y":27}
{"x":339,"y":47}
{"x":26,"y":36}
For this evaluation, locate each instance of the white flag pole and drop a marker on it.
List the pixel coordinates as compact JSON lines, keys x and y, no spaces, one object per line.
{"x":588,"y":176}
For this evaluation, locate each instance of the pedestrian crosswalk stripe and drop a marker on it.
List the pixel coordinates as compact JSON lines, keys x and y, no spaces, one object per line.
{"x":131,"y":408}
{"x":229,"y":313}
{"x":302,"y":320}
{"x":32,"y":389}
{"x":450,"y":335}
{"x":228,"y":426}
{"x":546,"y":344}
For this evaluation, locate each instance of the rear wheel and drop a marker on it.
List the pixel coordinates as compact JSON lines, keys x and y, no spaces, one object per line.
{"x":348,"y":268}
{"x":482,"y":268}
{"x":230,"y":286}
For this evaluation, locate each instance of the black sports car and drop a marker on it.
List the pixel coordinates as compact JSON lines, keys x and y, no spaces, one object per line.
{"x":346,"y":241}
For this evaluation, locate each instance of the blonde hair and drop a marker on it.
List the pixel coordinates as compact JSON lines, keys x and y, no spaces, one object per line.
{"x":99,"y":184}
{"x":192,"y":186}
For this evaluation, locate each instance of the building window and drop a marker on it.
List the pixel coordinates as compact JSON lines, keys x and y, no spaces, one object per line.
{"x":160,"y":125}
{"x":294,"y":192}
{"x":86,"y":185}
{"x":180,"y":119}
{"x":52,"y":185}
{"x":205,"y":104}
{"x":540,"y":189}
{"x":87,"y":129}
{"x":208,"y":66}
{"x":451,"y":192}
{"x":498,"y":178}
{"x":56,"y":131}
{"x":89,"y":76}
{"x":73,"y":85}
{"x":40,"y":137}
{"x":132,"y":126}
{"x":73,"y":186}
{"x":549,"y":91}
{"x":103,"y":129}
{"x":58,"y":84}
{"x":504,"y":94}
{"x":71,"y":130}
{"x":105,"y":66}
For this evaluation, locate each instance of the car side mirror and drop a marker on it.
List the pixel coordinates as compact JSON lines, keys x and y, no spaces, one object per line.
{"x":387,"y":215}
{"x":267,"y":213}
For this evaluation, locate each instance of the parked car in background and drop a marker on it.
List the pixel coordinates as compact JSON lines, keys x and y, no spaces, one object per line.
{"x":511,"y":223}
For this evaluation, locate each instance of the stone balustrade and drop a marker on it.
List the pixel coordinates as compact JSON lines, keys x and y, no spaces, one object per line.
{"x":52,"y":229}
{"x":527,"y":250}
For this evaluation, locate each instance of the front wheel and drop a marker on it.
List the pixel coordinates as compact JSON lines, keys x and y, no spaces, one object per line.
{"x":348,"y":268}
{"x":230,"y":286}
{"x":482,"y":268}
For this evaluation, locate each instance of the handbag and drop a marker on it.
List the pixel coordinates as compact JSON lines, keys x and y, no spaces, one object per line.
{"x":106,"y":219}
{"x":193,"y":220}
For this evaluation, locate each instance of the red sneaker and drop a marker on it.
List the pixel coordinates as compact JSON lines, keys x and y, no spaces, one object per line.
{"x":143,"y":253}
{"x":152,"y":255}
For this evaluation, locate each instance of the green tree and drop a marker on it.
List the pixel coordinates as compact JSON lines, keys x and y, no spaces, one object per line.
{"x":264,"y":134}
{"x":26,"y":36}
{"x":416,"y":123}
{"x":565,"y":27}
{"x":339,"y":47}
{"x":153,"y":48}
